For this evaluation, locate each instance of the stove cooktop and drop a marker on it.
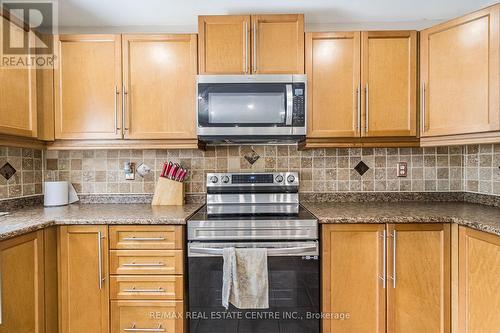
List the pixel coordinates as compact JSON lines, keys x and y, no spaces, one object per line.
{"x":202,"y":215}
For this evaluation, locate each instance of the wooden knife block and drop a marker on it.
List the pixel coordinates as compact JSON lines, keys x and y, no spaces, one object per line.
{"x":168,"y":193}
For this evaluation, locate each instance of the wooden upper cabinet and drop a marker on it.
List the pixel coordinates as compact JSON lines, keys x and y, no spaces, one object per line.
{"x":87,"y":85}
{"x":479,"y":283}
{"x":84,"y":279}
{"x":353,"y":257}
{"x":278,"y":44}
{"x":18,"y":115}
{"x":389,"y":83}
{"x":22,"y":287}
{"x":159,"y":74}
{"x":260,"y":44}
{"x":224,"y":44}
{"x":460,"y":73}
{"x":333,"y":82}
{"x":418,"y":271}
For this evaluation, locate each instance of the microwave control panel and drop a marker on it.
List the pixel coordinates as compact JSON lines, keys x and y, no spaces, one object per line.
{"x":299,"y":114}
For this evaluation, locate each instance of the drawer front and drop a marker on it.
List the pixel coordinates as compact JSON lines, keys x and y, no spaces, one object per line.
{"x":161,"y":262}
{"x":147,"y":316}
{"x":145,"y":237}
{"x":146,"y":287}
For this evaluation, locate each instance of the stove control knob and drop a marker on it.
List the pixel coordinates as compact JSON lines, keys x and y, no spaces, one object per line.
{"x":290,"y":178}
{"x":279,"y":179}
{"x":214,"y":179}
{"x":225,"y":179}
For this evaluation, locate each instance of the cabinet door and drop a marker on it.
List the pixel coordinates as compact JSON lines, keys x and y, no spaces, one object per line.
{"x":84,"y":283}
{"x":460,"y":75}
{"x":159,"y":74}
{"x":389,"y":82}
{"x":224,"y":44}
{"x":22,"y":287}
{"x":418,"y":287}
{"x":87,"y":86}
{"x":278,"y":44}
{"x":17,"y":93}
{"x":333,"y":82}
{"x":352,"y":281}
{"x":479,"y":282}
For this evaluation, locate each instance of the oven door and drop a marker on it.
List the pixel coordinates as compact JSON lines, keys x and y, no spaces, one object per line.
{"x":293,"y":290}
{"x":245,"y":108}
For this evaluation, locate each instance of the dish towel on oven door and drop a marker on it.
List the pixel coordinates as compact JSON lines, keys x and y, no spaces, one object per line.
{"x":245,"y":279}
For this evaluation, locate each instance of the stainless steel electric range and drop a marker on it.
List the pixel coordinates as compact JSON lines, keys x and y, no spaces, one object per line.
{"x":254,"y":210}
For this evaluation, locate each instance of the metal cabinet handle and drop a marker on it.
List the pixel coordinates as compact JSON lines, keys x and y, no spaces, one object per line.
{"x":246,"y":47}
{"x":423,"y":107}
{"x":99,"y":250}
{"x":134,"y":290}
{"x":358,"y":105}
{"x":144,"y":239}
{"x":135,"y":329}
{"x":124,"y":106}
{"x":367,"y":101}
{"x":144,"y":265}
{"x":117,"y":93}
{"x":394,"y":258}
{"x":255,"y":47}
{"x":384,"y":259}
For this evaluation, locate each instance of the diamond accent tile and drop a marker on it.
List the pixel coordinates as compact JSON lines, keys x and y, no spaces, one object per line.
{"x":7,"y":171}
{"x":252,"y":157}
{"x":361,"y":168}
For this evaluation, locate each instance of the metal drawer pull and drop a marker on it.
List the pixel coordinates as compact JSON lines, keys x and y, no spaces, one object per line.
{"x":144,"y":239}
{"x":133,"y":290}
{"x":134,"y":329}
{"x":289,"y":250}
{"x":144,"y":265}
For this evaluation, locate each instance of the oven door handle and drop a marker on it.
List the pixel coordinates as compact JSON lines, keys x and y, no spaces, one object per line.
{"x":289,"y":104}
{"x":270,"y":251}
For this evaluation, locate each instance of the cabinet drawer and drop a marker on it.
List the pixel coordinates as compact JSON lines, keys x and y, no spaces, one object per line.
{"x":145,"y":237}
{"x":147,"y":316}
{"x":146,"y":287}
{"x":162,"y":262}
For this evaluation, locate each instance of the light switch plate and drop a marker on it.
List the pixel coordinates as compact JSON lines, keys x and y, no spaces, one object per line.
{"x":402,"y":169}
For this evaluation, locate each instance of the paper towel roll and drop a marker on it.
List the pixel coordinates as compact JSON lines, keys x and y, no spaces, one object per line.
{"x":56,"y":194}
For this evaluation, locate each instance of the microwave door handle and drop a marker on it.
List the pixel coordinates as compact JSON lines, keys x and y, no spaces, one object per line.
{"x":289,"y":105}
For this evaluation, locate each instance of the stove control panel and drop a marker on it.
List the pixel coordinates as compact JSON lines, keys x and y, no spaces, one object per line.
{"x":253,"y":179}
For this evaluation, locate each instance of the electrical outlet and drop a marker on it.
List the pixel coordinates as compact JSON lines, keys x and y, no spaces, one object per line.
{"x":129,"y":169}
{"x":402,"y":169}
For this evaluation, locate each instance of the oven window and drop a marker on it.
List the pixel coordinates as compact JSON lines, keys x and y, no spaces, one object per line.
{"x":230,"y":108}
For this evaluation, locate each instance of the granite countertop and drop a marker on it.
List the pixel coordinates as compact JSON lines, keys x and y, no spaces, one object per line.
{"x":476,"y":216}
{"x":30,"y":219}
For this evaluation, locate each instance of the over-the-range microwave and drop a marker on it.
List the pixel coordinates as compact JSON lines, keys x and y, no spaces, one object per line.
{"x":251,"y":108}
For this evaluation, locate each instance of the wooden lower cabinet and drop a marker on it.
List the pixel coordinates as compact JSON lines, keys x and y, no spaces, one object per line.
{"x":478,"y":282}
{"x":419,"y":277}
{"x":83,"y":279}
{"x":147,"y":316}
{"x":22,"y":284}
{"x":386,"y":278}
{"x":352,"y":257}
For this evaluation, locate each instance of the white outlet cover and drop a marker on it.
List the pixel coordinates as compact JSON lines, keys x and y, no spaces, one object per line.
{"x":143,"y":170}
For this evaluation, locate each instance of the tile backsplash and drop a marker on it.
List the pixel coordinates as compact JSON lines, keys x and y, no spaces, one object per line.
{"x":27,"y":179}
{"x":474,"y":168}
{"x":482,"y":169}
{"x":321,"y":170}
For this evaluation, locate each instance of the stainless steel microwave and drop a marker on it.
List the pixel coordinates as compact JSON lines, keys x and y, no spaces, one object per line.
{"x":251,"y":108}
